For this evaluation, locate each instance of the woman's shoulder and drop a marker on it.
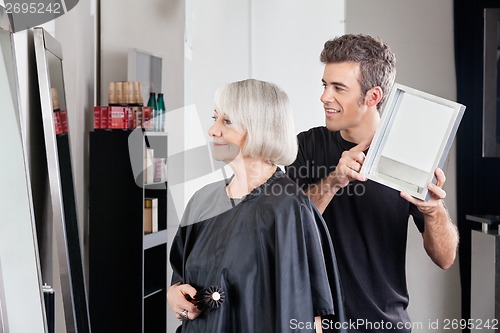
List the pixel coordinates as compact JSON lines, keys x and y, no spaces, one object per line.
{"x":205,"y":203}
{"x":210,"y":189}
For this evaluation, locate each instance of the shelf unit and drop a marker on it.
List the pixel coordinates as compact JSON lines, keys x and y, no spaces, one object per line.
{"x":127,"y":268}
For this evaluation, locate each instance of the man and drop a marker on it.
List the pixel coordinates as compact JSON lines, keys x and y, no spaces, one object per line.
{"x":368,"y":221}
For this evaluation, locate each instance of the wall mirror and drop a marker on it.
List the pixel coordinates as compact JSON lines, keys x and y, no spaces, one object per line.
{"x":57,"y":144}
{"x":413,"y":139}
{"x":21,"y":298}
{"x":491,"y":81}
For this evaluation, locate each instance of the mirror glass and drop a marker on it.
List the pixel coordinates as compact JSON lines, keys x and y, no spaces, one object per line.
{"x":57,"y":143}
{"x":21,"y":301}
{"x":491,"y":80}
{"x":413,"y":139}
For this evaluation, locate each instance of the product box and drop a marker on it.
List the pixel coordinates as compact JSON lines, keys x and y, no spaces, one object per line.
{"x":149,"y":166}
{"x":136,"y":116}
{"x":118,"y":117}
{"x":129,"y":118}
{"x":104,"y":116}
{"x":57,"y":122}
{"x":160,"y":170}
{"x":150,"y":215}
{"x":101,"y":117}
{"x":63,"y":117}
{"x":97,"y":117}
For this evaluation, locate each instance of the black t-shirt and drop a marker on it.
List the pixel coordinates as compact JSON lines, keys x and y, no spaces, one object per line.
{"x":368,"y":223}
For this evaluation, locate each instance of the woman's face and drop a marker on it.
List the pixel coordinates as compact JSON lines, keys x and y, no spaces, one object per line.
{"x":227,"y":139}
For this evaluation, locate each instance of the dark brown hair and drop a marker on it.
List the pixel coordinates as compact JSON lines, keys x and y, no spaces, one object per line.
{"x":376,"y":61}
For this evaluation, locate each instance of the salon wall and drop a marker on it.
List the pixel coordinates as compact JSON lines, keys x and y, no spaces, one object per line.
{"x":271,"y":45}
{"x":421,"y":35}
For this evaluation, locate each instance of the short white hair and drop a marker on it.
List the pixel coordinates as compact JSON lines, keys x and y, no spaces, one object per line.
{"x":262,"y":110}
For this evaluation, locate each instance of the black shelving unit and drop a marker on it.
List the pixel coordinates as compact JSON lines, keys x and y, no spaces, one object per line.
{"x":127,"y":269}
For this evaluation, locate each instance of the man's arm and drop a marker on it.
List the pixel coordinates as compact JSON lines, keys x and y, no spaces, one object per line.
{"x":440,"y":235}
{"x":323,"y":192}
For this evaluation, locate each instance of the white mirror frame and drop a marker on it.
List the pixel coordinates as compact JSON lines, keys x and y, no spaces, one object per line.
{"x":409,"y":146}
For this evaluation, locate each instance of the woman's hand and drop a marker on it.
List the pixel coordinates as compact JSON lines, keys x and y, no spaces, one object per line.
{"x":177,"y":297}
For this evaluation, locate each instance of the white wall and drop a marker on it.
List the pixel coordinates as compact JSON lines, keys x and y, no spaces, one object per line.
{"x":278,"y":41}
{"x":421,"y":35}
{"x":287,"y":39}
{"x":156,"y":26}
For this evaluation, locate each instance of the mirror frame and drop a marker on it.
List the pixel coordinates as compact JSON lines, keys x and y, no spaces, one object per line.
{"x":491,"y":146}
{"x":64,"y":214}
{"x":20,"y":276}
{"x":370,"y":168}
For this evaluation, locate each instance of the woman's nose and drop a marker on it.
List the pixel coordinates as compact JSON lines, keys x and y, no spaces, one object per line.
{"x":214,"y":131}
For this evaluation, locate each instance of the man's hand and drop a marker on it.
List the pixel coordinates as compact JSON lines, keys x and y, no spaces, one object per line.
{"x":437,"y":194}
{"x":440,"y":234}
{"x":349,"y":166}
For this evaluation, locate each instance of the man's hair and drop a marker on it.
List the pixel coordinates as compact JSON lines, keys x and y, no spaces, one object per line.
{"x":262,"y":110}
{"x":377,"y":62}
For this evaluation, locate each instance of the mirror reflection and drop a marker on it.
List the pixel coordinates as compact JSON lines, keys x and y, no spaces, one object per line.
{"x":56,"y":133}
{"x":57,"y":94}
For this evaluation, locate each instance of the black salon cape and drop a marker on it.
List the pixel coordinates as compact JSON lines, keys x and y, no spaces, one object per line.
{"x":266,"y":254}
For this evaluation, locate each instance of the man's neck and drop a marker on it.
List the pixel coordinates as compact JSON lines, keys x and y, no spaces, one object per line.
{"x":364,"y":131}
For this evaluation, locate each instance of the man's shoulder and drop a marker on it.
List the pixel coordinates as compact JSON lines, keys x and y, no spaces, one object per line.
{"x":314,"y":131}
{"x":317,"y":136}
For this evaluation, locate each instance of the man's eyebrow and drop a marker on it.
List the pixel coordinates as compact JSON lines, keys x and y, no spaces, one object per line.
{"x":335,"y":83}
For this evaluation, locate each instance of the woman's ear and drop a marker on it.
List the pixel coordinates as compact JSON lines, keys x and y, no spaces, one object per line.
{"x":373,"y":96}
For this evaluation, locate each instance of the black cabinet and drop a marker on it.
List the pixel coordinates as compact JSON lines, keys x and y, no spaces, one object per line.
{"x":127,"y":268}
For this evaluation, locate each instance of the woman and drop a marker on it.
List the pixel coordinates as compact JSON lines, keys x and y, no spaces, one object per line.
{"x":256,"y":235}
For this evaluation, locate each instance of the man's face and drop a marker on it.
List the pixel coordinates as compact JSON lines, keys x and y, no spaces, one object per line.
{"x":341,"y":97}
